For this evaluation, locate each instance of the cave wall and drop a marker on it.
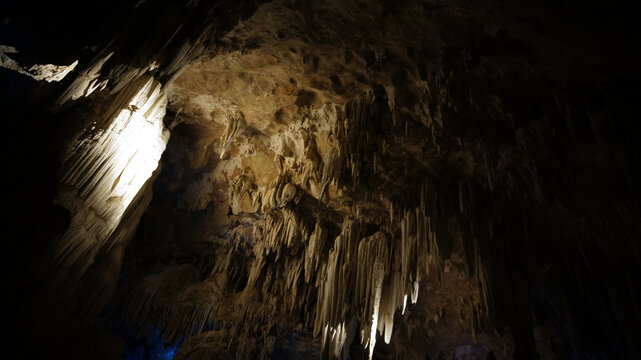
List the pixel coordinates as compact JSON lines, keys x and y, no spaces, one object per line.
{"x":458,"y":178}
{"x":82,"y":177}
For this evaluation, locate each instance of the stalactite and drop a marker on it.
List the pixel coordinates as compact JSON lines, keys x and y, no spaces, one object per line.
{"x":235,"y":125}
{"x":313,"y":253}
{"x":387,"y":272}
{"x":106,"y":168}
{"x":373,"y":265}
{"x":86,"y":83}
{"x":196,"y":307}
{"x":334,"y":290}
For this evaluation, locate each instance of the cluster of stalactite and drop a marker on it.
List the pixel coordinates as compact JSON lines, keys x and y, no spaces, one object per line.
{"x":386,"y":268}
{"x":110,"y":122}
{"x":355,"y":266}
{"x":104,"y":171}
{"x":352,"y":225}
{"x":322,"y":259}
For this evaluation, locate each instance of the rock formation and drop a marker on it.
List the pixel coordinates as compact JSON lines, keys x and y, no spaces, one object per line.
{"x":335,"y":179}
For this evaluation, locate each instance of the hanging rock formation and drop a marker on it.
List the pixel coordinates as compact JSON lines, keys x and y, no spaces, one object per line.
{"x":343,"y":179}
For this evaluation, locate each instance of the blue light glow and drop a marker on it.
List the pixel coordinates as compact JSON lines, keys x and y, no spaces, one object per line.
{"x":150,"y":347}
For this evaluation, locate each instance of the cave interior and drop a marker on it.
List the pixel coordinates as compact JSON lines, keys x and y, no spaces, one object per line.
{"x":331,"y":179}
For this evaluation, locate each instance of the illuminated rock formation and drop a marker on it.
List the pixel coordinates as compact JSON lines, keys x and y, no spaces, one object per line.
{"x":105,"y":169}
{"x":344,"y":179}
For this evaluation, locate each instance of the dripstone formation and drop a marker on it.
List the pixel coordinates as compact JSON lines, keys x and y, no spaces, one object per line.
{"x":335,"y":179}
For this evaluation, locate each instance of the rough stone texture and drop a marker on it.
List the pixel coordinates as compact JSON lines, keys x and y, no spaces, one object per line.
{"x":342,"y":156}
{"x":47,"y":72}
{"x":353,"y":179}
{"x":98,"y":136}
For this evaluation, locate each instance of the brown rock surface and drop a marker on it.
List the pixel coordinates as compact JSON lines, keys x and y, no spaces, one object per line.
{"x":344,"y":179}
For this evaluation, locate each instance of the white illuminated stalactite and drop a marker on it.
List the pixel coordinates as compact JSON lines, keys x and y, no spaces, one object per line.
{"x":361,"y":280}
{"x":404,"y":304}
{"x":378,"y":286}
{"x":387,"y":267}
{"x":86,"y":82}
{"x":389,"y":326}
{"x":415,"y":292}
{"x":336,"y":338}
{"x":105,"y":170}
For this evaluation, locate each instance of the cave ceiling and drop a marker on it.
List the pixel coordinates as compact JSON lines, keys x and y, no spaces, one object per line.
{"x":330,"y":179}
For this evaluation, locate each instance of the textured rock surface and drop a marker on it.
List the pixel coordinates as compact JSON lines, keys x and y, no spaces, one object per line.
{"x":46,"y":72}
{"x":347,"y":179}
{"x":100,"y":135}
{"x":341,"y":157}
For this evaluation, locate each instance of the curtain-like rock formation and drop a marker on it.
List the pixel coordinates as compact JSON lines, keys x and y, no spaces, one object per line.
{"x":344,"y":179}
